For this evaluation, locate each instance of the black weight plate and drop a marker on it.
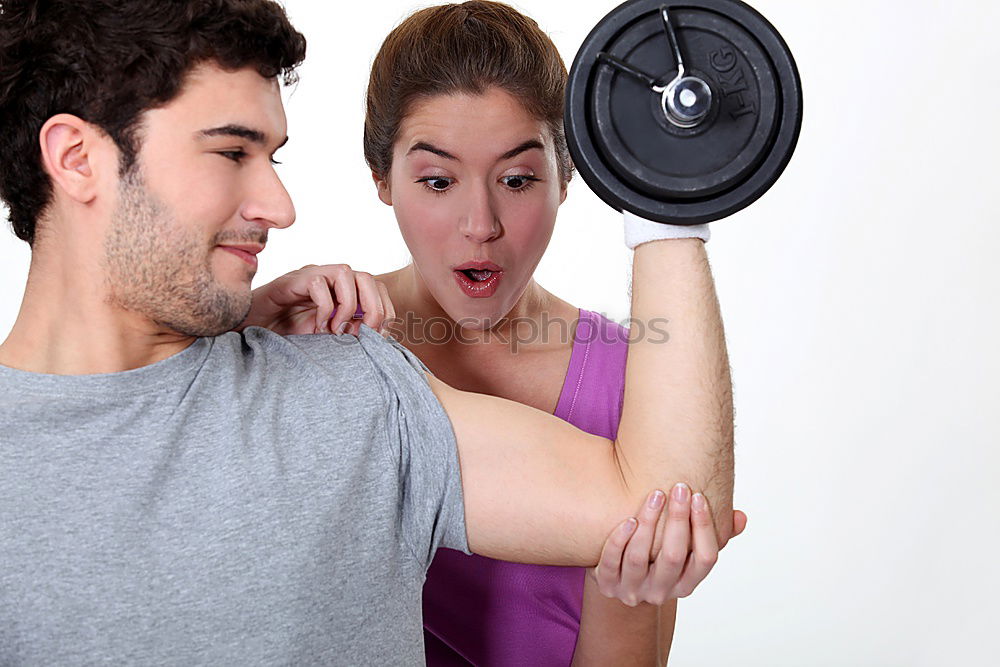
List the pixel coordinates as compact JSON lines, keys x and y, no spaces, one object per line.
{"x":634,"y":159}
{"x":681,"y":163}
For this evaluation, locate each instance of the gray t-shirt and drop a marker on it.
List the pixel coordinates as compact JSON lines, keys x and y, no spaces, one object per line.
{"x":251,"y":500}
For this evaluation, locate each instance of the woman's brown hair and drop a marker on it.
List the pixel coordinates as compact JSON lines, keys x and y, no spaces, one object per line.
{"x":463,"y":48}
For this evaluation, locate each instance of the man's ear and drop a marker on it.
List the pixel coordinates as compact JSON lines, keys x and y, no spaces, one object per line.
{"x":382,"y":185}
{"x":70,"y":147}
{"x":563,"y":190}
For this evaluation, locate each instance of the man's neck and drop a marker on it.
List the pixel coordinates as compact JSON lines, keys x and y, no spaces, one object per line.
{"x":68,"y":326}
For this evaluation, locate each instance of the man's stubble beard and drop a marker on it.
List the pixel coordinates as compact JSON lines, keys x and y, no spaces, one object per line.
{"x":154,"y":269}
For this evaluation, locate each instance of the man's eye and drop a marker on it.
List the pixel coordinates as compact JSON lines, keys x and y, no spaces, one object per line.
{"x":235,"y":156}
{"x":436,"y":183}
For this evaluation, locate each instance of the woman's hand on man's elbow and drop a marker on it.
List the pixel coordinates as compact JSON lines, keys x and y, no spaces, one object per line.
{"x":664,"y":552}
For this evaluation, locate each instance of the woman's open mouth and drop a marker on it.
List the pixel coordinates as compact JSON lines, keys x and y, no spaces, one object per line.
{"x":478,"y":280}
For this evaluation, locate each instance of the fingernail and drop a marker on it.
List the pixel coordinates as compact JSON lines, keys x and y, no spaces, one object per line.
{"x":656,"y":499}
{"x":629,"y":525}
{"x":680,"y":492}
{"x":698,"y":502}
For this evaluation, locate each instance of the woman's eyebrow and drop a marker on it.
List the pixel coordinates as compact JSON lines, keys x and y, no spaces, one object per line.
{"x":525,"y":146}
{"x":424,"y":146}
{"x":520,"y":148}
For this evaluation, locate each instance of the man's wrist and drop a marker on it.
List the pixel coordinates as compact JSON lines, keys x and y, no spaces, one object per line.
{"x":639,"y":230}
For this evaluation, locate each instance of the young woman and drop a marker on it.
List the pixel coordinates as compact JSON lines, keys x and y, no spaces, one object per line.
{"x":464,"y":138}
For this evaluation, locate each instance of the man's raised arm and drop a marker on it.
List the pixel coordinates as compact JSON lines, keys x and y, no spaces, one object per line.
{"x":539,"y":490}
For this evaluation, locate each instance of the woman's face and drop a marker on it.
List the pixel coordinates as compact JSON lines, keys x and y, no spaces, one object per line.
{"x":475,"y":188}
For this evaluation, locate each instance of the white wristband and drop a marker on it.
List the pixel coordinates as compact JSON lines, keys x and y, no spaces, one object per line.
{"x":639,"y":230}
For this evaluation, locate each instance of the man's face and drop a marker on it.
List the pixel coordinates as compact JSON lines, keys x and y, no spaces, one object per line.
{"x":196,"y":208}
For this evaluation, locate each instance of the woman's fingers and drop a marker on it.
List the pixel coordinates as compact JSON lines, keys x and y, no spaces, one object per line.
{"x":319,"y":292}
{"x":673,"y":553}
{"x":705,"y":552}
{"x":346,"y":292}
{"x":318,"y":299}
{"x":739,"y":522}
{"x":370,"y":299}
{"x":688,"y":552}
{"x":608,"y":570}
{"x":390,"y":310}
{"x":635,"y":563}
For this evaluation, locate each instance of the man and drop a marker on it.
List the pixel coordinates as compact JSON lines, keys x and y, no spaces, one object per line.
{"x":173,"y":495}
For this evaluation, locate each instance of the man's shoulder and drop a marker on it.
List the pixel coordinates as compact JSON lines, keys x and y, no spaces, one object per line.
{"x":270,"y":347}
{"x":257,"y":347}
{"x":304,"y":365}
{"x":345,"y":358}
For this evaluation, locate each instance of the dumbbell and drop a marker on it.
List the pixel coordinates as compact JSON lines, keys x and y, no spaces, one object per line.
{"x":682,"y":113}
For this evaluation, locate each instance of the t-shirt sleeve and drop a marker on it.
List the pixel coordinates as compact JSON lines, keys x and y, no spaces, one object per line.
{"x":422,"y":443}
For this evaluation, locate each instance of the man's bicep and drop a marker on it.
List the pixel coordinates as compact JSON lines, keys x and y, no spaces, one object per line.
{"x":536,"y":488}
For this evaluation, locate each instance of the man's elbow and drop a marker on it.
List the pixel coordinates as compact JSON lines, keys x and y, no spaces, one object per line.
{"x":717,"y":489}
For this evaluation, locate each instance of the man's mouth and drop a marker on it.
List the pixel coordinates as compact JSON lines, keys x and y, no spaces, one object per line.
{"x":247,"y":252}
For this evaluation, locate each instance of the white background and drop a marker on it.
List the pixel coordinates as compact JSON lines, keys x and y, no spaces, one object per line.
{"x":860,"y":303}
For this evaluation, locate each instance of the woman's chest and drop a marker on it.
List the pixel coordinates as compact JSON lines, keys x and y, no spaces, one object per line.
{"x":533,"y":378}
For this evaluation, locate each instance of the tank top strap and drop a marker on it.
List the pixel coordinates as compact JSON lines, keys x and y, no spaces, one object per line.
{"x":594,"y":386}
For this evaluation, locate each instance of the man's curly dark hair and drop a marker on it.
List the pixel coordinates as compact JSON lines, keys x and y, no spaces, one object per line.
{"x":108,"y":61}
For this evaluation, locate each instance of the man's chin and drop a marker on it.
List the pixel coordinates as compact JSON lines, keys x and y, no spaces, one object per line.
{"x":213,"y":314}
{"x":233,"y":268}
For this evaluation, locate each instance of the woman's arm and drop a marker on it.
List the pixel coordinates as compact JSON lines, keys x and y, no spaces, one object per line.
{"x":616,"y":627}
{"x":612,"y":633}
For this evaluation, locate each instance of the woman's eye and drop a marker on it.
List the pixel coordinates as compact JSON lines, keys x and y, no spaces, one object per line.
{"x":436,"y":183}
{"x":518,"y":182}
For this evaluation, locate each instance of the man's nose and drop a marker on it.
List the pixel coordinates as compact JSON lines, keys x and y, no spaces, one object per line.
{"x":268,"y":202}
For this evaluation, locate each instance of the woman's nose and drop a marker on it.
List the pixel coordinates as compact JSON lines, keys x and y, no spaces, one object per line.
{"x":481,"y":223}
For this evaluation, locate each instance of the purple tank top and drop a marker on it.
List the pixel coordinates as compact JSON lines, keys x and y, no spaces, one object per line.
{"x":488,"y":612}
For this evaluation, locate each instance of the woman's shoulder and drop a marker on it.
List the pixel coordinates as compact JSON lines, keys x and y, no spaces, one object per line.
{"x":596,"y":330}
{"x":591,"y":326}
{"x":595,"y":380}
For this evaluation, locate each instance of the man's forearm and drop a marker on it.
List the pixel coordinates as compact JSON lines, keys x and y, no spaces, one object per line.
{"x":677,"y":417}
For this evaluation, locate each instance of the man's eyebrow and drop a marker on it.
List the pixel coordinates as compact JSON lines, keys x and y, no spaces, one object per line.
{"x":239,"y":131}
{"x":524,"y":146}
